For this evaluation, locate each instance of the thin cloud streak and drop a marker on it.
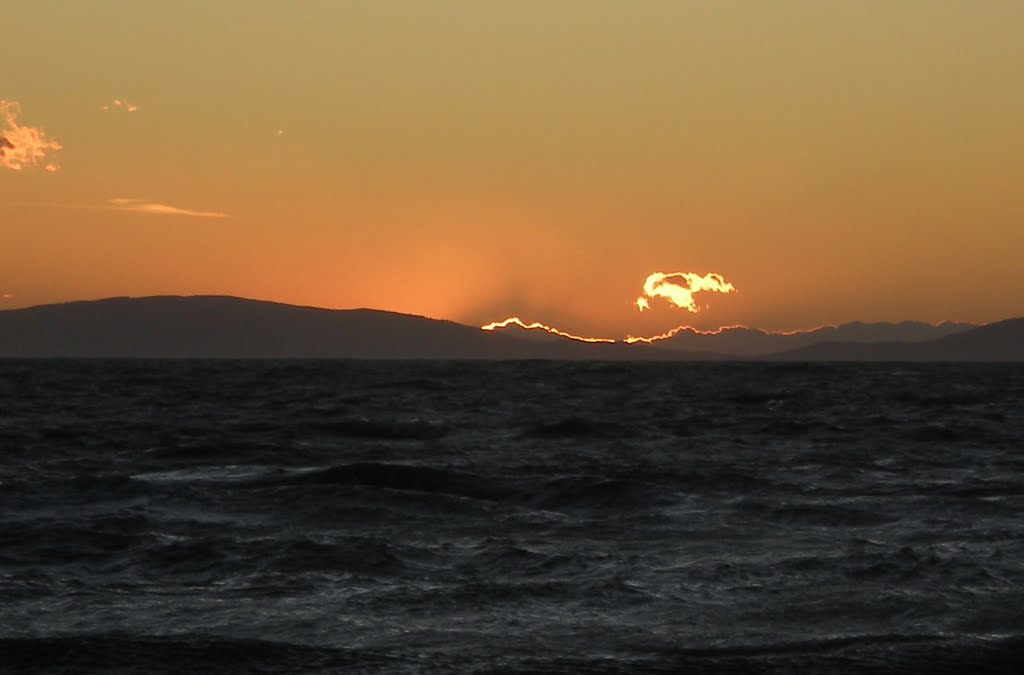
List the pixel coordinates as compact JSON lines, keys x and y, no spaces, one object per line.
{"x":130,"y":205}
{"x":157,"y":209}
{"x":22,"y":146}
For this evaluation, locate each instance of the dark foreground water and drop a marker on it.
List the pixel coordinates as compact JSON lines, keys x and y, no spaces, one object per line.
{"x":554,"y":517}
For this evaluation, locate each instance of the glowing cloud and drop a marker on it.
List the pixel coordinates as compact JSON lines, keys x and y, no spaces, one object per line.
{"x":7,"y":296}
{"x":119,"y":104}
{"x":153,"y":208}
{"x":20,"y":146}
{"x":679,"y":329}
{"x":680,"y":287}
{"x":676,"y":287}
{"x":539,"y":326}
{"x":630,"y":340}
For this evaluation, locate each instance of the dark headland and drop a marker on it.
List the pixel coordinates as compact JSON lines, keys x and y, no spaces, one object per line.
{"x":228,"y":327}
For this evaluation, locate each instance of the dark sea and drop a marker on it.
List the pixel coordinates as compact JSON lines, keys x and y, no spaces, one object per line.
{"x":392,"y":517}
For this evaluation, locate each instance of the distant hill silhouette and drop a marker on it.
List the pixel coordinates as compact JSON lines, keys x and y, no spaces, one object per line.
{"x":742,"y":342}
{"x":227,"y":327}
{"x":1000,"y":341}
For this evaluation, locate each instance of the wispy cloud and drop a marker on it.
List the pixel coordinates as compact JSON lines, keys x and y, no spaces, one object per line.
{"x":6,"y":296}
{"x":130,"y":205}
{"x":22,"y":146}
{"x":119,"y":104}
{"x":157,"y":209}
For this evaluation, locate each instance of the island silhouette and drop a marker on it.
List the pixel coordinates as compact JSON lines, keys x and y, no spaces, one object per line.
{"x":231,"y":327}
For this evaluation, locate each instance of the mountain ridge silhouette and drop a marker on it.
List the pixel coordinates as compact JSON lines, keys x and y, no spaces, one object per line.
{"x":217,"y":326}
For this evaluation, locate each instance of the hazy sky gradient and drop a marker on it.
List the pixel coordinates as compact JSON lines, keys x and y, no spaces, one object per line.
{"x":474,"y":160}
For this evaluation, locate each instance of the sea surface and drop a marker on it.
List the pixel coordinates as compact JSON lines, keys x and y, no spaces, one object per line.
{"x":333,"y":516}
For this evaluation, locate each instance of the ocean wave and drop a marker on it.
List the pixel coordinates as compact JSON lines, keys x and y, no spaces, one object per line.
{"x":550,"y":517}
{"x":401,"y":477}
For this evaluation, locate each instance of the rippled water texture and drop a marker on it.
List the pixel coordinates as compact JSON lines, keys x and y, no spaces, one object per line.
{"x":323,"y":516}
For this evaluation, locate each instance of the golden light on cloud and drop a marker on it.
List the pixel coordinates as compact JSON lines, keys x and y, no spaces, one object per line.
{"x":676,"y":287}
{"x":539,"y":326}
{"x":22,"y":146}
{"x":630,"y":339}
{"x":119,"y":104}
{"x":157,"y":209}
{"x":687,"y":328}
{"x":679,"y":288}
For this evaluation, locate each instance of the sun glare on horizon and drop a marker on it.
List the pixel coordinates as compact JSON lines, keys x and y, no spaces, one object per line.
{"x":678,"y":288}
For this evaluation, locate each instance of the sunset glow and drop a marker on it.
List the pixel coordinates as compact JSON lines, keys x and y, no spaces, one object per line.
{"x":539,"y":326}
{"x":685,"y":327}
{"x":630,"y":339}
{"x":603,"y":169}
{"x":520,"y":335}
{"x":680,"y":287}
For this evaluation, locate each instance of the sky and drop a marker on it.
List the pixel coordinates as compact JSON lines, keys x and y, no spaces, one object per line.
{"x":827,"y":161}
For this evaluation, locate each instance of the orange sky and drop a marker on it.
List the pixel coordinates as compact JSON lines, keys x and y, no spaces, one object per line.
{"x":473,"y":161}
